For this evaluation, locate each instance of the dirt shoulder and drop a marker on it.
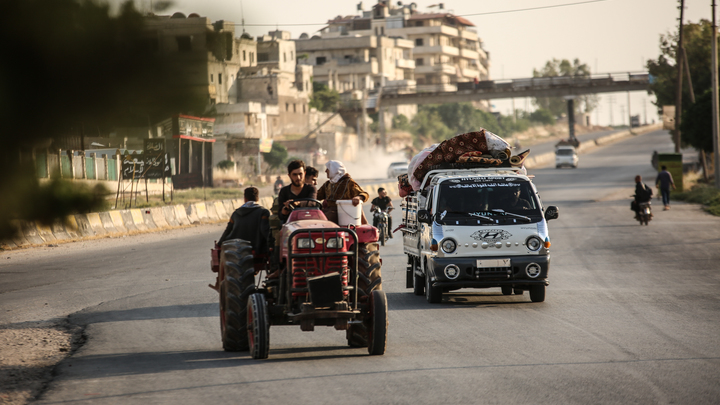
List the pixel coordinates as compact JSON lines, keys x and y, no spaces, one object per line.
{"x":29,"y":352}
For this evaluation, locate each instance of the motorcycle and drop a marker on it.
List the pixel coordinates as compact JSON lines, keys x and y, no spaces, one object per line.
{"x":380,"y":221}
{"x":644,"y":212}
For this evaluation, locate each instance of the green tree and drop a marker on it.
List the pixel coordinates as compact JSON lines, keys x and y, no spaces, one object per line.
{"x":401,"y":122}
{"x":277,"y":156}
{"x":557,"y":105}
{"x":696,"y":123}
{"x":697,"y":39}
{"x":74,"y":66}
{"x":542,"y":116}
{"x":323,"y":98}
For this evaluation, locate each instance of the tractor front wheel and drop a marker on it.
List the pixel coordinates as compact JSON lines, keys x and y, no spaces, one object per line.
{"x":377,"y":323}
{"x":258,"y":327}
{"x":236,"y":286}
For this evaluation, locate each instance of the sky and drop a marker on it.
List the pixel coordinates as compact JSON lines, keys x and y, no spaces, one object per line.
{"x":607,"y":35}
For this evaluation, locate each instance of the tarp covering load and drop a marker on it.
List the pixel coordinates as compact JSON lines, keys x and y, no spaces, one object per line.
{"x":473,"y":149}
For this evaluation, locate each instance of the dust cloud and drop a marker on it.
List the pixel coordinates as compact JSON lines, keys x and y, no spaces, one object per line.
{"x":371,"y":164}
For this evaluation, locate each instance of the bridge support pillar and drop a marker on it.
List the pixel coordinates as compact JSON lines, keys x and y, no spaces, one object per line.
{"x":571,"y":118}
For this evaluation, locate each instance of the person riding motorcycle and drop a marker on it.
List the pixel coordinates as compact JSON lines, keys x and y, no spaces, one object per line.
{"x":643,"y":194}
{"x":382,"y":202}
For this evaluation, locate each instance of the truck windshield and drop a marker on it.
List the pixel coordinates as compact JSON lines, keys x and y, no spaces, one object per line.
{"x":565,"y":152}
{"x":487,"y":197}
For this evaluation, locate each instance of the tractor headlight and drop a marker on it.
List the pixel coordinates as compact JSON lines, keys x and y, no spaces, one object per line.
{"x":334,"y":243}
{"x":305,"y":243}
{"x":533,"y":270}
{"x":533,"y":243}
{"x":448,"y":245}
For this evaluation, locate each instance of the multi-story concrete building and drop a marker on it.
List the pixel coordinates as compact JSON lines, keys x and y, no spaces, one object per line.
{"x":446,"y":47}
{"x":367,"y":62}
{"x":202,"y":55}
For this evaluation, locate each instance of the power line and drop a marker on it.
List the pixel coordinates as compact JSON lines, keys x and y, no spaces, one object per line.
{"x":517,"y":10}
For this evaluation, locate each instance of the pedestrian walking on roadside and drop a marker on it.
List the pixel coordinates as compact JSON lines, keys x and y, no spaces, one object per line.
{"x":663,"y":182}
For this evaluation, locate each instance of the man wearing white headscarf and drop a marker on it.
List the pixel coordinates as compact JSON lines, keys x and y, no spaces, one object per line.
{"x":340,"y":186}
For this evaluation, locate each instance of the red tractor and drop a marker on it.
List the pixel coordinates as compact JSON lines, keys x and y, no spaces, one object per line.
{"x":329,"y":275}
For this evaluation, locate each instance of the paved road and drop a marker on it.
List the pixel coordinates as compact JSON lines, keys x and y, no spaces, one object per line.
{"x":632,"y":316}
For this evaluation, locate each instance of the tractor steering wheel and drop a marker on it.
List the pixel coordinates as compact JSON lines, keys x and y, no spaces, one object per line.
{"x":318,"y":204}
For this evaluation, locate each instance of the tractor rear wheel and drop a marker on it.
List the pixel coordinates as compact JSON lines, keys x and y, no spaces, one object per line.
{"x":369,"y":269}
{"x":377,"y":323}
{"x":258,"y":327}
{"x":236,"y":286}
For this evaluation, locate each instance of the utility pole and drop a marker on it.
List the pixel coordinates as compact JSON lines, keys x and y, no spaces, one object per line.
{"x":678,"y":90}
{"x":611,"y":100}
{"x":716,"y":131}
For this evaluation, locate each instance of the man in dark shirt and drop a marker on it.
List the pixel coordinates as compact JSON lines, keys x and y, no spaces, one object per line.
{"x":250,"y":223}
{"x":297,"y":189}
{"x":382,"y":201}
{"x":664,"y":181}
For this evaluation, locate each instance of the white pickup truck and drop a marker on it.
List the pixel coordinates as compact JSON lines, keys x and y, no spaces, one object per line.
{"x":477,"y":228}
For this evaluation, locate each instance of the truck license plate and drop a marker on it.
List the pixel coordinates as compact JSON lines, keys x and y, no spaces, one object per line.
{"x":493,"y":263}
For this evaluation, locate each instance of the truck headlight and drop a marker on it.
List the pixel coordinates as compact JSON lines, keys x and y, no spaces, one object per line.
{"x":448,"y":245}
{"x":334,"y":243}
{"x":533,"y":243}
{"x":305,"y":243}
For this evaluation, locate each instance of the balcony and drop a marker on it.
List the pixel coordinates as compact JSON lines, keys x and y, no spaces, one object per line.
{"x":435,"y":29}
{"x":469,"y":53}
{"x":446,"y":69}
{"x":435,"y":50}
{"x":405,"y":63}
{"x":344,"y":67}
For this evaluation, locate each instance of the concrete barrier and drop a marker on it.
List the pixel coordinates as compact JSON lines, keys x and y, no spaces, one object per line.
{"x":158,"y":217}
{"x":181,"y":215}
{"x":237,"y":203}
{"x":96,"y":223}
{"x":169,"y":214}
{"x":148,"y":219}
{"x":84,"y":229}
{"x":220,"y":210}
{"x":71,"y":226}
{"x":212,"y":214}
{"x":107,"y":223}
{"x":192,"y":214}
{"x":138,"y":220}
{"x":59,"y":230}
{"x":228,"y":207}
{"x":117,"y":221}
{"x":129,"y":222}
{"x":45,"y":232}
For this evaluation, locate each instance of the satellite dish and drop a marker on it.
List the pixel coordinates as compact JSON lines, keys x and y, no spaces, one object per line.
{"x":178,"y":15}
{"x":194,"y":15}
{"x":304,"y":35}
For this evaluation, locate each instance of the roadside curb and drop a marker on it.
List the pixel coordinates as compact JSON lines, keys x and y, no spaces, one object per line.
{"x":118,"y":223}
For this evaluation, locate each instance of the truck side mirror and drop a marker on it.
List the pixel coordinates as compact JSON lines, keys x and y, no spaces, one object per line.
{"x":551,"y":212}
{"x":424,"y":216}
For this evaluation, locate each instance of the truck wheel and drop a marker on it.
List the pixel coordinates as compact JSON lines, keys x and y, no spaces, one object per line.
{"x":258,"y":327}
{"x":378,"y":323}
{"x":432,"y":294}
{"x":537,"y":293}
{"x":369,"y":268}
{"x":356,"y":335}
{"x":506,"y":290}
{"x":237,"y":285}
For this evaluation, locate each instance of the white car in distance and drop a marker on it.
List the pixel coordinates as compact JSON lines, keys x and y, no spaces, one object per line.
{"x":397,"y":168}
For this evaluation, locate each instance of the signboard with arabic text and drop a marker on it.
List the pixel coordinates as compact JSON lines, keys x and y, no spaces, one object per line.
{"x":145,"y":166}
